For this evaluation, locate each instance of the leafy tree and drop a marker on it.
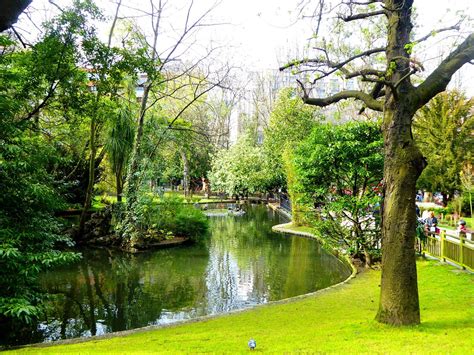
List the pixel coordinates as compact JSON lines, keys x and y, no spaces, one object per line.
{"x":390,"y":90}
{"x":467,"y":180}
{"x":119,"y":142}
{"x":339,"y":168}
{"x":290,"y":122}
{"x":442,"y":132}
{"x":29,"y":234}
{"x":108,"y":66}
{"x":165,"y":78}
{"x":33,"y":81}
{"x":241,"y":169}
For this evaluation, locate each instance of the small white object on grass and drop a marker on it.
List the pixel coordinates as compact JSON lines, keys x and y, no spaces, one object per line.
{"x":252,"y":344}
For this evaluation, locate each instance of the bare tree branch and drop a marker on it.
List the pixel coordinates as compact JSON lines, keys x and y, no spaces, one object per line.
{"x":119,"y":3}
{"x":365,"y":72}
{"x":19,"y":37}
{"x":432,"y":33}
{"x":364,"y":3}
{"x":330,"y":64}
{"x":362,"y":16}
{"x":368,"y":100}
{"x":440,"y":77}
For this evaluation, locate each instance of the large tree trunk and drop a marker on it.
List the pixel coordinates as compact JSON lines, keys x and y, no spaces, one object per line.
{"x":403,"y":165}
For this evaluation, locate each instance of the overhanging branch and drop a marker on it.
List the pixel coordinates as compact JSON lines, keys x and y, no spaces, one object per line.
{"x":367,"y":99}
{"x":365,"y":72}
{"x":432,"y":33}
{"x":362,"y":16}
{"x":331,"y":64}
{"x":440,"y":77}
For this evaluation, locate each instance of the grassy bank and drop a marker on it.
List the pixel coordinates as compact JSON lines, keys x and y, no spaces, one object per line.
{"x":335,"y":320}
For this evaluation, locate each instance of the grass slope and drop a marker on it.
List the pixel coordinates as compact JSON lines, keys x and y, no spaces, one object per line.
{"x":336,"y":320}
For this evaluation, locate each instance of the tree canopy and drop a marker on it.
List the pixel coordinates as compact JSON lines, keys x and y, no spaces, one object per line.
{"x":442,"y":131}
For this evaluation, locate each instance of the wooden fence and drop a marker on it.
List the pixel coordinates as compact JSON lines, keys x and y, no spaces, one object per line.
{"x":458,"y":251}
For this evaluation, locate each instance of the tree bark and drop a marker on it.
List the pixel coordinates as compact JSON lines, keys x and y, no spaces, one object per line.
{"x":11,"y":9}
{"x":403,"y":164}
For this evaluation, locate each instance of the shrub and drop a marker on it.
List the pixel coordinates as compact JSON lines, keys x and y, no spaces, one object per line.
{"x":168,"y":218}
{"x":191,"y":222}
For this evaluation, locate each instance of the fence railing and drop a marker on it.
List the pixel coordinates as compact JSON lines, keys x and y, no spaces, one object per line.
{"x":285,"y":202}
{"x":458,"y":251}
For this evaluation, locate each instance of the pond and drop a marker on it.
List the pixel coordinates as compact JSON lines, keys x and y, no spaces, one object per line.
{"x":240,"y":264}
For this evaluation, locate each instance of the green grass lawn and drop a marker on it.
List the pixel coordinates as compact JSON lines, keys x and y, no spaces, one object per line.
{"x":337,"y":320}
{"x":469,"y":224}
{"x":305,"y":229}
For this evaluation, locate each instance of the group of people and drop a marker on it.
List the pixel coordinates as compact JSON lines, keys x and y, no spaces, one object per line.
{"x":430,"y":222}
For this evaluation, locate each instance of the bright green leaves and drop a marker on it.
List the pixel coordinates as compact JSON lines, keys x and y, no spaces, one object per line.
{"x":409,"y":47}
{"x":339,"y":167}
{"x":241,"y":169}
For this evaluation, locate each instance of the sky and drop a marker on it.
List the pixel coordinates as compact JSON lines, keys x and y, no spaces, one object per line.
{"x":266,"y":34}
{"x":258,"y":35}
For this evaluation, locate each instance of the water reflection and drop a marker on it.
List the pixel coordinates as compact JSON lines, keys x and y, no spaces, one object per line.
{"x":241,"y":264}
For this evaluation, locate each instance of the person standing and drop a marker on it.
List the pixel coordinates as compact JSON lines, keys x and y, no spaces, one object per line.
{"x":431,"y":224}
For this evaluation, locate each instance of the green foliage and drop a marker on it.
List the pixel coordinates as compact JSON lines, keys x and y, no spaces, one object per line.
{"x":157,"y":221}
{"x":119,"y":143}
{"x":338,"y":169}
{"x":290,"y":122}
{"x":442,"y":130}
{"x":240,"y":170}
{"x":191,"y":222}
{"x":43,"y":88}
{"x":29,"y":234}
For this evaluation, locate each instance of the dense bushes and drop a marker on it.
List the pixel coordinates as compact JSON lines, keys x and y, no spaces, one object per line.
{"x":29,"y":234}
{"x":169,"y":217}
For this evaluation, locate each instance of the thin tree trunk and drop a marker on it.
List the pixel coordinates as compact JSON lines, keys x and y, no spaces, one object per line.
{"x":470,"y":202}
{"x":185,"y":172}
{"x":119,"y":185}
{"x":133,"y":178}
{"x":90,"y":184}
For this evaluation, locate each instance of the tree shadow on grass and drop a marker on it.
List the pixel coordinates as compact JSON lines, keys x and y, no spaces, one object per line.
{"x":453,"y":323}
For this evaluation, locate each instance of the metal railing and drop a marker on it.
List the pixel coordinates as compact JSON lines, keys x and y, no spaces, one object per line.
{"x":285,"y":202}
{"x":457,"y":250}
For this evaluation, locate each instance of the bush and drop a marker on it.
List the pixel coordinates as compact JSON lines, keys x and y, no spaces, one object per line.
{"x":168,"y":218}
{"x":191,"y":222}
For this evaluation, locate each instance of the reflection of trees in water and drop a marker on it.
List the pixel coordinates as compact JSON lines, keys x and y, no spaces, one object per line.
{"x":249,"y":264}
{"x":113,"y":292}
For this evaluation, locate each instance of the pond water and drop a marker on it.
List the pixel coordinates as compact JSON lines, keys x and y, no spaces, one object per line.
{"x":241,"y":263}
